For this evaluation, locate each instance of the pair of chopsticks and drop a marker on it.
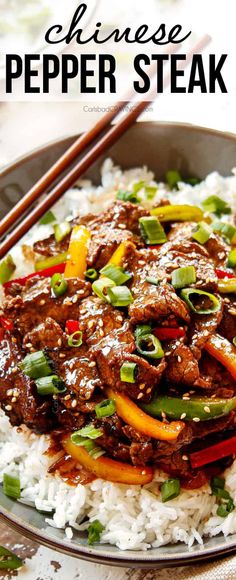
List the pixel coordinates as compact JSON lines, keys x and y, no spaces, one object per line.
{"x":106,"y":136}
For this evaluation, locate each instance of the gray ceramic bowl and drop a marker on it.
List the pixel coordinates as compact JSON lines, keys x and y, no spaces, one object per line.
{"x":161,"y":146}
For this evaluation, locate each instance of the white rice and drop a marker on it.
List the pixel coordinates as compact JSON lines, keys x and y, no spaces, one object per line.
{"x":133,"y":517}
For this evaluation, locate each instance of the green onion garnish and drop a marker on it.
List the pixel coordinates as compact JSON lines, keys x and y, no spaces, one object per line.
{"x":36,"y":365}
{"x":61,"y":231}
{"x":127,"y":196}
{"x":11,"y":486}
{"x":59,"y":285}
{"x":153,"y":281}
{"x":91,"y":274}
{"x":120,"y":296}
{"x":228,"y":231}
{"x":203,"y":232}
{"x":50,"y":385}
{"x":149,"y":346}
{"x":192,"y":180}
{"x":231,"y":263}
{"x":115,"y":273}
{"x":217,"y":482}
{"x":224,"y":510}
{"x":151,"y":230}
{"x":183,"y":277}
{"x":100,"y":287}
{"x":89,"y":432}
{"x":234,"y":341}
{"x":170,"y":489}
{"x":142,"y":329}
{"x":105,"y":409}
{"x":172,"y":178}
{"x":47,"y":218}
{"x":215,"y":204}
{"x":9,"y":560}
{"x":149,"y":190}
{"x":75,"y":339}
{"x":199,"y":309}
{"x":94,"y":450}
{"x":128,"y":372}
{"x":7,"y":268}
{"x":227,"y":505}
{"x":52,"y":261}
{"x":94,"y":532}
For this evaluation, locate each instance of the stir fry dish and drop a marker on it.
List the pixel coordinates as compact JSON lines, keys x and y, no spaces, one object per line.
{"x":122,"y":344}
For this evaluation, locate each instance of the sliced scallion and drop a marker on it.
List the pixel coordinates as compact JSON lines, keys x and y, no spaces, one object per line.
{"x":170,"y":489}
{"x":105,"y":409}
{"x":183,"y":277}
{"x":9,"y":560}
{"x":153,"y":281}
{"x":115,"y":273}
{"x":94,"y":450}
{"x":151,"y":230}
{"x":11,"y":486}
{"x":231,"y":263}
{"x":47,"y":218}
{"x":76,"y":339}
{"x":61,"y":231}
{"x":172,"y":178}
{"x":127,"y":196}
{"x":228,"y":231}
{"x":7,"y":268}
{"x":217,"y":482}
{"x":128,"y":372}
{"x":214,"y":204}
{"x":187,"y":292}
{"x":149,"y":346}
{"x":58,"y":284}
{"x":94,"y":532}
{"x":51,"y":261}
{"x":203,"y":232}
{"x":91,"y":274}
{"x":50,"y":385}
{"x":100,"y":287}
{"x":36,"y":365}
{"x":119,"y":296}
{"x":142,"y":329}
{"x":89,"y":432}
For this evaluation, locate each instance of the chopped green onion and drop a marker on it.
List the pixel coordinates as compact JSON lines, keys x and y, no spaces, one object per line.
{"x":36,"y":365}
{"x":127,"y":196}
{"x":47,"y":218}
{"x":228,"y":231}
{"x":199,"y":310}
{"x":105,"y":409}
{"x":94,"y":532}
{"x":192,"y":180}
{"x":9,"y":560}
{"x":220,"y":493}
{"x":224,"y":510}
{"x":94,"y":450}
{"x":151,"y":280}
{"x":214,"y":204}
{"x":120,"y":296}
{"x":149,"y":346}
{"x":183,"y":277}
{"x":101,"y":285}
{"x":52,"y":261}
{"x":203,"y":232}
{"x":59,"y":285}
{"x":142,"y":330}
{"x":7,"y":268}
{"x":170,"y":489}
{"x":149,"y":190}
{"x":91,"y":274}
{"x":75,"y":340}
{"x":217,"y":482}
{"x":50,"y":385}
{"x":138,"y":186}
{"x":61,"y":231}
{"x":172,"y":178}
{"x":151,"y":230}
{"x":231,"y":263}
{"x":11,"y":486}
{"x":115,"y":273}
{"x":128,"y":372}
{"x":234,"y":341}
{"x":88,"y":432}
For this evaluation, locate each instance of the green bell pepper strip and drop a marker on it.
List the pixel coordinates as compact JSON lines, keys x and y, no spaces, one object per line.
{"x":202,"y":408}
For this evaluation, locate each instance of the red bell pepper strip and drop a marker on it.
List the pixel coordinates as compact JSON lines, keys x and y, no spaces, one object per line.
{"x":6,"y":324}
{"x":72,"y":326}
{"x":224,"y":274}
{"x":167,"y":333}
{"x":48,"y":272}
{"x":224,"y":351}
{"x":213,"y":453}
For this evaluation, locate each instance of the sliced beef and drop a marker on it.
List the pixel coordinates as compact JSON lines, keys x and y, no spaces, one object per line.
{"x":115,"y":349}
{"x":47,"y":334}
{"x":18,"y":394}
{"x":201,"y":328}
{"x":216,"y":246}
{"x":36,"y":302}
{"x":97,"y":319}
{"x":156,"y":303}
{"x":227,"y":326}
{"x":182,"y":367}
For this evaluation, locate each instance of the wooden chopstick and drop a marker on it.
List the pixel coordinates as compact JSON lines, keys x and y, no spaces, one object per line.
{"x":112,"y":135}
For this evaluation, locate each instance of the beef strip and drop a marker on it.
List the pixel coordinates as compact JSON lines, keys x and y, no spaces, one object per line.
{"x":47,"y":334}
{"x":202,"y":327}
{"x":216,"y":246}
{"x":36,"y":302}
{"x":227,"y":325}
{"x":97,"y":319}
{"x":188,"y":253}
{"x":18,"y":394}
{"x":115,"y":349}
{"x":182,"y":367}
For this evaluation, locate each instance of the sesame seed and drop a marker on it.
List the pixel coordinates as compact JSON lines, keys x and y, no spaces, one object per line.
{"x":148,"y":390}
{"x":101,"y":332}
{"x":167,"y":353}
{"x":90,"y":324}
{"x":179,"y":359}
{"x":122,"y":226}
{"x":196,"y":419}
{"x":62,"y":355}
{"x":13,"y":339}
{"x":74,"y":299}
{"x":207,"y":409}
{"x":59,"y":342}
{"x":119,"y":318}
{"x":13,"y":399}
{"x":8,"y":407}
{"x":183,"y":416}
{"x":74,"y":403}
{"x":14,"y":370}
{"x":28,"y":345}
{"x":141,"y":263}
{"x":67,"y":397}
{"x":142,"y":386}
{"x":226,"y":300}
{"x":163,"y":415}
{"x":92,"y":364}
{"x":185,"y":398}
{"x":140,"y":395}
{"x":83,"y":311}
{"x":42,"y":302}
{"x":232,"y":311}
{"x":186,"y":394}
{"x":100,"y":323}
{"x":185,"y":457}
{"x":80,"y":291}
{"x":9,"y":392}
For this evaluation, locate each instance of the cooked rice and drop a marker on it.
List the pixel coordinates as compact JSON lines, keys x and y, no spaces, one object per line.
{"x":134,"y":517}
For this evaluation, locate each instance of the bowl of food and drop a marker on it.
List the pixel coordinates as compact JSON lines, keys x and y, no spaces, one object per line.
{"x":118,"y":357}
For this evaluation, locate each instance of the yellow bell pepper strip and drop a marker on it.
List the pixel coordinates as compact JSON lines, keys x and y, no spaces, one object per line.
{"x":76,"y":264}
{"x":178,"y":213}
{"x":227,"y":286}
{"x":119,"y":254}
{"x":106,"y":468}
{"x":224,"y":351}
{"x":134,"y":416}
